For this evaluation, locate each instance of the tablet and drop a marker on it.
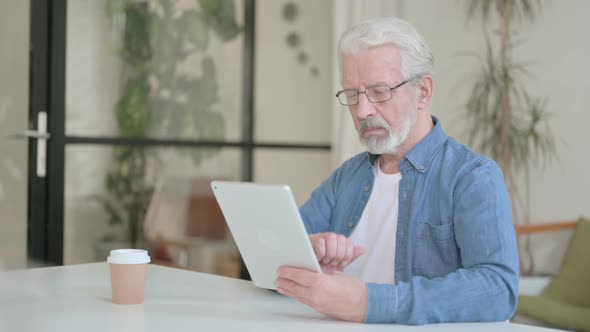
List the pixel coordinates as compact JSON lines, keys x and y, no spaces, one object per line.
{"x":266,"y":225}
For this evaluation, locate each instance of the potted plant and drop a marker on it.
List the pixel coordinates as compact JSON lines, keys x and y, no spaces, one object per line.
{"x":158,"y":97}
{"x":504,"y":120}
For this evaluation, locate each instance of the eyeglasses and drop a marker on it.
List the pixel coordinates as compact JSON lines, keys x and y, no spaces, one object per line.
{"x":375,"y":94}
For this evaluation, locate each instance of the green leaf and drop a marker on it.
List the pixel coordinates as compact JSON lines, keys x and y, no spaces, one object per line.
{"x":136,"y":38}
{"x":133,"y":112}
{"x":113,"y":7}
{"x":166,"y":45}
{"x":194,"y":25}
{"x":220,"y":15}
{"x":204,"y":92}
{"x":110,"y":207}
{"x":518,"y":8}
{"x":209,"y":125}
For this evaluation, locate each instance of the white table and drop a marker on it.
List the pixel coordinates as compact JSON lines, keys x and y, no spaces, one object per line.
{"x":78,"y":298}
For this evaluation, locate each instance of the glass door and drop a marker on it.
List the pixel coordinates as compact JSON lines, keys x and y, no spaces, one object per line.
{"x":149,"y":100}
{"x":152,"y":112}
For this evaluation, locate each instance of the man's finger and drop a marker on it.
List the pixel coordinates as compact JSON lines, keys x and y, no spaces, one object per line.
{"x":349,"y":249}
{"x":320,"y":248}
{"x":329,"y":269}
{"x":340,"y":251}
{"x":291,"y":286}
{"x":356,"y":252}
{"x":349,"y":254}
{"x":290,"y":294}
{"x":331,"y":247}
{"x":301,"y":276}
{"x":293,"y":289}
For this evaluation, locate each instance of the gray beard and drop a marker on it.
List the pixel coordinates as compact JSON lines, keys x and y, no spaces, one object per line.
{"x":389,"y":144}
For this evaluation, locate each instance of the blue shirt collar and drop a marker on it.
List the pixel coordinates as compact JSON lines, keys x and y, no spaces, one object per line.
{"x":421,"y":155}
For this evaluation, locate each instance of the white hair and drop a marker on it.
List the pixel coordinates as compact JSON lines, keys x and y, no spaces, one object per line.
{"x":416,"y":58}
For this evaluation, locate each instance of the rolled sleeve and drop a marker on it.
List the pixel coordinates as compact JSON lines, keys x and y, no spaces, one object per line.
{"x":382,"y":303}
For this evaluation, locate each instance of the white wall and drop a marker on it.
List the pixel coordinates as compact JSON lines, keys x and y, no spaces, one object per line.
{"x":14,"y":109}
{"x":291,"y":105}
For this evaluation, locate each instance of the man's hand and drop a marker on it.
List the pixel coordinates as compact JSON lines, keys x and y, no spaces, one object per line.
{"x":334,"y":251}
{"x":336,"y":295}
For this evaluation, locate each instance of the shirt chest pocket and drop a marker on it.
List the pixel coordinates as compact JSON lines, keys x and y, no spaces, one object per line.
{"x":436,"y":253}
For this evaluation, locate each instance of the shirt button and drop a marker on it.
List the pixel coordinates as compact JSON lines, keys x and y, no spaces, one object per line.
{"x":421,"y":167}
{"x":350,"y":224}
{"x":366,"y":188}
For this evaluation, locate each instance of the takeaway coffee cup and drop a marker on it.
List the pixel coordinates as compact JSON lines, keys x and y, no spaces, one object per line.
{"x":128,"y":274}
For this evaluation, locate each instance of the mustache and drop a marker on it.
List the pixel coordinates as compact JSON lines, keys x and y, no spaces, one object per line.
{"x":373,"y":123}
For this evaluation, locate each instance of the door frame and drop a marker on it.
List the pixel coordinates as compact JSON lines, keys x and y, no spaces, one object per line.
{"x":38,"y":241}
{"x":47,"y":91}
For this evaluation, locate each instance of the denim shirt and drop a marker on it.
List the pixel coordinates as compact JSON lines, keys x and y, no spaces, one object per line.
{"x":455,"y":257}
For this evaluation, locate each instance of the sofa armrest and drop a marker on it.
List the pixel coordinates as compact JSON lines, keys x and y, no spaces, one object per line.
{"x":533,"y":286}
{"x":532,"y":229}
{"x":544,"y":227}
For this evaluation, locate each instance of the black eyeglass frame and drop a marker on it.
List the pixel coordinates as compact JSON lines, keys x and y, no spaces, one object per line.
{"x":391,"y":88}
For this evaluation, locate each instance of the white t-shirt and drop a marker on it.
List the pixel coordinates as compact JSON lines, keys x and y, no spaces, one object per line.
{"x":376,"y":231}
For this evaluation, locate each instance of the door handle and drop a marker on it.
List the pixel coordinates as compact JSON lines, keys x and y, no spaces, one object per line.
{"x":30,"y":134}
{"x":41,"y":135}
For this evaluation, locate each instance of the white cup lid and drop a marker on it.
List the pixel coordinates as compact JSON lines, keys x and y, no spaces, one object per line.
{"x":128,"y":256}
